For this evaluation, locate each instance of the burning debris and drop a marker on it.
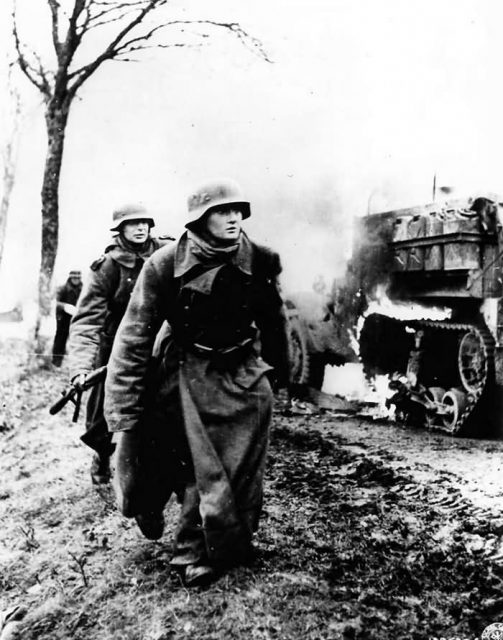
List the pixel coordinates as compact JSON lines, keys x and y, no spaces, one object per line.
{"x":364,"y":398}
{"x":374,"y":396}
{"x":381,"y":303}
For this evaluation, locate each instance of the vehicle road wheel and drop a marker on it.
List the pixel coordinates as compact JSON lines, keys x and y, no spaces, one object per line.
{"x":455,"y":401}
{"x":435,"y":394}
{"x":306,"y":368}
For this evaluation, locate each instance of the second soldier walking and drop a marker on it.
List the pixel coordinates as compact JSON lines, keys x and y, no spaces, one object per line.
{"x":100,"y":309}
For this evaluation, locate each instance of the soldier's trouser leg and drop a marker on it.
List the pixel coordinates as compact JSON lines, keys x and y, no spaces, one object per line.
{"x":97,"y":435}
{"x":190,"y":546}
{"x":59,"y":345}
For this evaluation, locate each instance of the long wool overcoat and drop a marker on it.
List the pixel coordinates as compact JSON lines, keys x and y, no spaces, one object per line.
{"x":206,"y":417}
{"x":100,"y":309}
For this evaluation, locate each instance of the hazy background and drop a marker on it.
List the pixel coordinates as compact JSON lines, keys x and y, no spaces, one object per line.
{"x":364,"y":102}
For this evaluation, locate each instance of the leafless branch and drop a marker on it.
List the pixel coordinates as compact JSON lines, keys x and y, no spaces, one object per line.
{"x":87,"y":15}
{"x":42,"y":72}
{"x":116,"y":3}
{"x":82,"y":74}
{"x":178,"y":45}
{"x":35,"y":76}
{"x":86,"y":12}
{"x":112,"y":12}
{"x":252,"y":44}
{"x":93,"y":24}
{"x":68,"y":48}
{"x":73,"y":36}
{"x":54,"y":7}
{"x":119,"y":48}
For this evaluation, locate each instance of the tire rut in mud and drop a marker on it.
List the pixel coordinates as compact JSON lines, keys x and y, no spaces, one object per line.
{"x":400,"y":559}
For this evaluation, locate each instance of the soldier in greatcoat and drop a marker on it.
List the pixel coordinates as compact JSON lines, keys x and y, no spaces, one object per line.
{"x":199,"y":423}
{"x":99,"y":312}
{"x":66,"y":299}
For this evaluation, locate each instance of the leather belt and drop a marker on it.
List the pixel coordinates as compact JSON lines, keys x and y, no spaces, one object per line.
{"x":210,"y":352}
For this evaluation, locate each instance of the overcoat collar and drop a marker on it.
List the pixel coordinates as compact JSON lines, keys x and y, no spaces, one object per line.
{"x":127,"y":258}
{"x":185,"y":259}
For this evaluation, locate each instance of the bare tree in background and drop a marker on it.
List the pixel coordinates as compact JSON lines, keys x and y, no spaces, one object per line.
{"x":137,"y":25}
{"x":9,"y":155}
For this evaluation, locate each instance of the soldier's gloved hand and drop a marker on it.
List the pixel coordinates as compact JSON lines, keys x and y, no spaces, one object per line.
{"x":126,"y":469}
{"x":79,"y":379}
{"x":70,"y":309}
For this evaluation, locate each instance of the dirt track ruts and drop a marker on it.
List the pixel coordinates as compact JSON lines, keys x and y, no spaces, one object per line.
{"x":369,"y":532}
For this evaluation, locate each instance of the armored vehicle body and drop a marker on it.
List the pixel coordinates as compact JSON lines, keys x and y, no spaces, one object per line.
{"x":420,"y":302}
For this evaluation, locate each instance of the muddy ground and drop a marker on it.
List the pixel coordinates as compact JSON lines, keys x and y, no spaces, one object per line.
{"x":370,"y":531}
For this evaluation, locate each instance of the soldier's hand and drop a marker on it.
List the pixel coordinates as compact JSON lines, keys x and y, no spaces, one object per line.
{"x":69,"y":309}
{"x":79,"y":380}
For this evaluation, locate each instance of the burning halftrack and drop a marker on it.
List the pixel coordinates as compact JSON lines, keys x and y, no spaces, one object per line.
{"x":420,"y":302}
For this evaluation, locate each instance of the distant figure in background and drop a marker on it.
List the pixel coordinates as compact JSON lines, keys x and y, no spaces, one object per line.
{"x":66,"y":300}
{"x":99,"y":312}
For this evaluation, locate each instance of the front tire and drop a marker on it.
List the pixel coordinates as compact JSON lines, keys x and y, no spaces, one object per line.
{"x":307,"y":368}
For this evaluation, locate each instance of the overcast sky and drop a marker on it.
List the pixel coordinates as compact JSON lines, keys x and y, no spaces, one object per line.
{"x":364,"y":102}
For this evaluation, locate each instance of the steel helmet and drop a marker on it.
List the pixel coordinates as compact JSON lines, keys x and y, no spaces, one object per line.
{"x":130,"y":212}
{"x":213,"y":194}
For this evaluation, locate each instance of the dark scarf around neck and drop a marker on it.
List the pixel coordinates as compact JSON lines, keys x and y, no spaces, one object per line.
{"x":139,"y":249}
{"x":206,"y":251}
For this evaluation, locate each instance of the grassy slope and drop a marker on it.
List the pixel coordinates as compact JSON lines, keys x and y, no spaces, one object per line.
{"x":341,"y":555}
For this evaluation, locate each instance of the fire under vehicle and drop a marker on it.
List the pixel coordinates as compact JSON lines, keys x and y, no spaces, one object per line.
{"x":421,"y":302}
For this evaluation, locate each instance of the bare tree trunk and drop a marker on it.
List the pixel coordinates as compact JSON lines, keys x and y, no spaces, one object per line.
{"x":56,"y":121}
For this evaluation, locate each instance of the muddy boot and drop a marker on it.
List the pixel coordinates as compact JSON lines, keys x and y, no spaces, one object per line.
{"x":100,"y":469}
{"x":199,"y":575}
{"x":150,"y":524}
